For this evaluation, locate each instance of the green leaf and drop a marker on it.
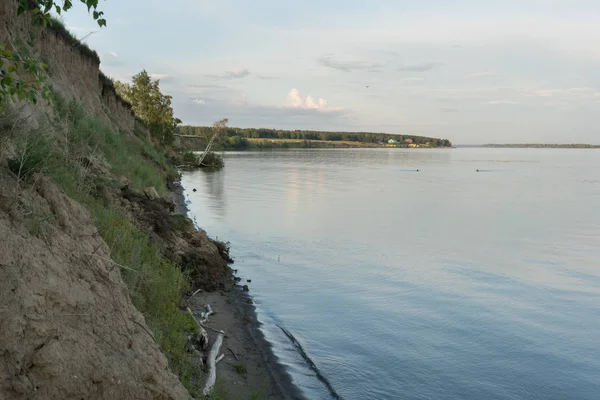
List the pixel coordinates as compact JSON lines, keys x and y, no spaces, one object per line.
{"x":20,"y":10}
{"x":58,"y":9}
{"x":12,"y":69}
{"x":102,"y":22}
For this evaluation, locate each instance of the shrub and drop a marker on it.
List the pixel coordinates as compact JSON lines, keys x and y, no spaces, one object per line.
{"x":212,"y":160}
{"x":240,"y":368}
{"x":190,"y":157}
{"x":31,"y":153}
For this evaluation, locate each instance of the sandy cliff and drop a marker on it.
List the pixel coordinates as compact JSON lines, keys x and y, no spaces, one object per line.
{"x":68,"y":328}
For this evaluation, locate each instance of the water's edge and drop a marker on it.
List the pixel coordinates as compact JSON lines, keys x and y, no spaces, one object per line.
{"x":281,"y":383}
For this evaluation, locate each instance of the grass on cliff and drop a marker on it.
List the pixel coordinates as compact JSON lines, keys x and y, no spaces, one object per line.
{"x":156,"y":285}
{"x":58,"y":27}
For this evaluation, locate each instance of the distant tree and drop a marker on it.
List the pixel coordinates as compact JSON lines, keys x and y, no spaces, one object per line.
{"x":150,"y":104}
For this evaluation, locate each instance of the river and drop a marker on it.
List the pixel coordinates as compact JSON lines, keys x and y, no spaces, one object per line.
{"x":441,"y":283}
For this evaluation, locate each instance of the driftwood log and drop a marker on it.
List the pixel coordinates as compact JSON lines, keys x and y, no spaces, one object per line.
{"x":213,"y":357}
{"x":206,"y":314}
{"x":211,"y":361}
{"x":202,"y":338}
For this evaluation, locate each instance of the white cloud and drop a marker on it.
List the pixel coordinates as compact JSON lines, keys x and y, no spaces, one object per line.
{"x":420,"y":67}
{"x":574,"y":92}
{"x":498,"y":102}
{"x":232,"y":74}
{"x":112,"y":53}
{"x":483,"y":74}
{"x":199,"y":101}
{"x":160,"y":76}
{"x":295,"y":100}
{"x":346,"y":66}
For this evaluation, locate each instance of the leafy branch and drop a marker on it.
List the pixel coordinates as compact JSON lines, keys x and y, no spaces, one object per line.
{"x":12,"y":86}
{"x":40,"y":10}
{"x":14,"y":65}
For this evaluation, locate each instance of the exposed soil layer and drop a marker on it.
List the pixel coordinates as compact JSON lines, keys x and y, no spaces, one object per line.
{"x":67,"y":326}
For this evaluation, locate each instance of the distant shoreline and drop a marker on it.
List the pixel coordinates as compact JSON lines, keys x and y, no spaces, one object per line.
{"x":532,"y":146}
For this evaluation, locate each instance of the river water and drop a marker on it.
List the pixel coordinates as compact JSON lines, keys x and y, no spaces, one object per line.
{"x":446,"y":283}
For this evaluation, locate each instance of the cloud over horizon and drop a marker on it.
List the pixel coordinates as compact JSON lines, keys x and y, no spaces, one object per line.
{"x":295,"y":100}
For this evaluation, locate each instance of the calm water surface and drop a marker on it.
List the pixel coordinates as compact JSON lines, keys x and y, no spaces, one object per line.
{"x":445,"y":283}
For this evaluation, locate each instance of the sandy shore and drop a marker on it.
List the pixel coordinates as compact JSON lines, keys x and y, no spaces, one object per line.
{"x":249,"y":369}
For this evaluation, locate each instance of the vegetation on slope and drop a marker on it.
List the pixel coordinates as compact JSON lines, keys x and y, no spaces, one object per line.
{"x":63,"y":149}
{"x":87,"y":158}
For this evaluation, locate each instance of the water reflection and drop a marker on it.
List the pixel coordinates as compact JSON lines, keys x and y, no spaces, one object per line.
{"x":214,"y":182}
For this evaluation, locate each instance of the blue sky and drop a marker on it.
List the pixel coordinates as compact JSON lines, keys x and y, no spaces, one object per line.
{"x":472,"y":71}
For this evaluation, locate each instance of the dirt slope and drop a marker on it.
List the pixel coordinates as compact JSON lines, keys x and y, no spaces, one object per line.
{"x":67,"y":326}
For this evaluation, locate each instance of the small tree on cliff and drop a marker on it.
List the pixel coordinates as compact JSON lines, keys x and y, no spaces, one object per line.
{"x":150,"y":104}
{"x":22,"y":76}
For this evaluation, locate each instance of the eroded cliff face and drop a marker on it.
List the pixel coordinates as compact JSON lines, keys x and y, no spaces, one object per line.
{"x":73,"y":73}
{"x":67,"y":326}
{"x":68,"y":329}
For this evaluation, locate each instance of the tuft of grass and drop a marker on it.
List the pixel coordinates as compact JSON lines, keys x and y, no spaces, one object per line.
{"x":59,"y":28}
{"x":136,"y":158}
{"x":240,"y":368}
{"x":31,"y":153}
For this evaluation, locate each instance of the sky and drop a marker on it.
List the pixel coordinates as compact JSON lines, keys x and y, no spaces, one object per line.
{"x":472,"y":71}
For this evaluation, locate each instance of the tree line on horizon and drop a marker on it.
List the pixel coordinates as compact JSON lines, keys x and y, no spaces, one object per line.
{"x":266,"y":133}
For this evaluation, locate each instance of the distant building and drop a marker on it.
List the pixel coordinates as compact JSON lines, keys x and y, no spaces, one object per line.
{"x":409,"y":141}
{"x":392,"y":141}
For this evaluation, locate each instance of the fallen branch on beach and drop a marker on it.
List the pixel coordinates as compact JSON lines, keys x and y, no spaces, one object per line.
{"x":202,"y":336}
{"x":235,"y":355}
{"x":206,"y":314}
{"x":211,"y":361}
{"x":211,"y":358}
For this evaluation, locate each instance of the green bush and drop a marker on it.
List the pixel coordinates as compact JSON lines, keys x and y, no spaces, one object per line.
{"x":213,"y":160}
{"x":190,"y":157}
{"x":31,"y":153}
